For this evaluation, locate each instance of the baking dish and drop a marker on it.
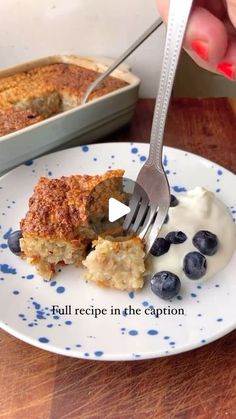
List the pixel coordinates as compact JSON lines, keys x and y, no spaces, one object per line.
{"x":82,"y":124}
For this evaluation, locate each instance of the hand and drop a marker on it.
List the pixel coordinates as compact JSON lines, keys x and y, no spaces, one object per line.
{"x":211,"y":34}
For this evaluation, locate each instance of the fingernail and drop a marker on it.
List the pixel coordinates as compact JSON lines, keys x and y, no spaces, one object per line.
{"x":201,"y":49}
{"x":227,"y":69}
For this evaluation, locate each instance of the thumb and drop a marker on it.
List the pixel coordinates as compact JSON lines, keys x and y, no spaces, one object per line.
{"x":206,"y":36}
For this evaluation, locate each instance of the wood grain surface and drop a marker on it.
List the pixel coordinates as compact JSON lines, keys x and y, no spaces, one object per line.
{"x":200,"y":384}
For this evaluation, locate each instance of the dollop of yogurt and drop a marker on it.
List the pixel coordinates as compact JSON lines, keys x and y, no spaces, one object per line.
{"x":198,"y":209}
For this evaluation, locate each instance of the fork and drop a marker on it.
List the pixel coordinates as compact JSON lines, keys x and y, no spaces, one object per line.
{"x":120,"y":59}
{"x":148,"y":210}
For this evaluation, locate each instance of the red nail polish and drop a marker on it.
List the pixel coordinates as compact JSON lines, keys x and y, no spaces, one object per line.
{"x":227,"y":69}
{"x":201,"y":49}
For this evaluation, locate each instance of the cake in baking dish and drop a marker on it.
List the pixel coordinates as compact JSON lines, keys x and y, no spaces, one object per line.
{"x":45,"y":91}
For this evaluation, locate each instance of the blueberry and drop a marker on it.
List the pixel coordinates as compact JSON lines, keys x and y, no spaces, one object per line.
{"x":165,"y":284}
{"x":173,"y":201}
{"x":206,"y":242}
{"x":14,"y":242}
{"x":176,"y":237}
{"x":160,"y":247}
{"x":194,"y":265}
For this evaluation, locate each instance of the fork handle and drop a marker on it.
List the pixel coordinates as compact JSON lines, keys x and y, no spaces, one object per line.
{"x":177,"y":22}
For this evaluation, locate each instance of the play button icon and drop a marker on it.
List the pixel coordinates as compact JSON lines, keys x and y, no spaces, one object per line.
{"x":116,"y":210}
{"x":107,"y":206}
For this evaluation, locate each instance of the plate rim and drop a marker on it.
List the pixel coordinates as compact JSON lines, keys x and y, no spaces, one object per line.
{"x":120,"y":143}
{"x":112,"y":357}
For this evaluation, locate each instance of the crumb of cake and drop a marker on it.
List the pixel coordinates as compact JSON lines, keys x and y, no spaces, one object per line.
{"x":117,"y":264}
{"x":46,"y":255}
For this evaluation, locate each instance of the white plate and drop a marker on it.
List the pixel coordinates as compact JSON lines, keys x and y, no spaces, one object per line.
{"x":26,"y":300}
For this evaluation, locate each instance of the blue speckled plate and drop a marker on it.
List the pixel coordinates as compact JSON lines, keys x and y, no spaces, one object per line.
{"x":26,"y":300}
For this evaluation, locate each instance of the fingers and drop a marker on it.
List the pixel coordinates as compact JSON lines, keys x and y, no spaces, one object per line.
{"x":163,"y":7}
{"x":209,"y":43}
{"x":227,"y":66}
{"x":217,"y":8}
{"x":207,"y":38}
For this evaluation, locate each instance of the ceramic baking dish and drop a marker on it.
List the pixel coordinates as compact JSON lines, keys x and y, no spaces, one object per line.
{"x":83,"y":124}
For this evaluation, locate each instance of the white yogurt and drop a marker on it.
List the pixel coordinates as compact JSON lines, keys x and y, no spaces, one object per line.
{"x":197,"y":210}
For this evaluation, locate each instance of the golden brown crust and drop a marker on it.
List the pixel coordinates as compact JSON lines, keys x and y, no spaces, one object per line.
{"x":58,"y":208}
{"x":64,"y":83}
{"x":56,"y":230}
{"x":11,"y":120}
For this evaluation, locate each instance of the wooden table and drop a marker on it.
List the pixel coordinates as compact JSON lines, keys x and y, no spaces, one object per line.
{"x":198,"y":384}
